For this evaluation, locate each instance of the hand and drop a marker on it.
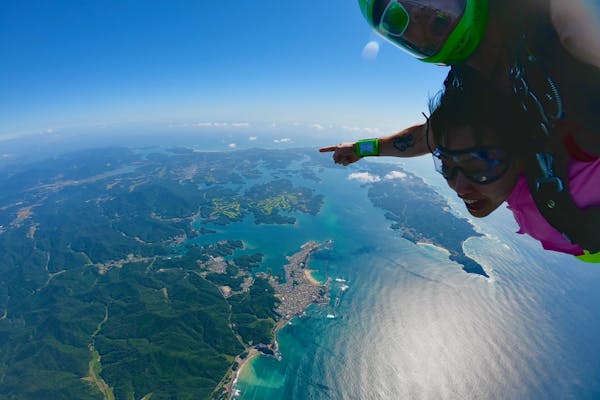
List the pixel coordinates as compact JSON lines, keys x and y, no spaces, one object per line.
{"x":343,"y":153}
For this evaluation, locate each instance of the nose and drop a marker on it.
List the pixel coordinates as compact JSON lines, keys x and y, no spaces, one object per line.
{"x":460,"y":184}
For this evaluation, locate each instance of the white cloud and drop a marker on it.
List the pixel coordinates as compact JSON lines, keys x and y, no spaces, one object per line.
{"x":373,"y":131}
{"x":232,"y":145}
{"x":370,"y":51}
{"x":351,"y":128}
{"x":318,"y":127}
{"x":395,"y":175}
{"x":364,"y":177}
{"x":284,"y":140}
{"x":220,"y":124}
{"x":365,"y":131}
{"x":252,"y":138}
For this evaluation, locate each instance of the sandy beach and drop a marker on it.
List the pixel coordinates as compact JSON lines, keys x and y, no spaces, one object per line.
{"x":308,"y":276}
{"x":252,"y":352}
{"x":427,"y":244}
{"x":295,"y":295}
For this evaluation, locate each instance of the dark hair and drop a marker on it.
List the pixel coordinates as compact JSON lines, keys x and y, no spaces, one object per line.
{"x":469,"y":101}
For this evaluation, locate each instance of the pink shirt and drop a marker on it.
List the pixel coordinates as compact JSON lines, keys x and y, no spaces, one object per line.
{"x":584,"y":185}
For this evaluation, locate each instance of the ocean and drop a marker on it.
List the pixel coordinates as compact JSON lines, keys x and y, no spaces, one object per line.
{"x":406,"y":323}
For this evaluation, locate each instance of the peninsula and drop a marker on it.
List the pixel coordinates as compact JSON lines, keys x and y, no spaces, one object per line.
{"x":421,"y":215}
{"x":298,"y":291}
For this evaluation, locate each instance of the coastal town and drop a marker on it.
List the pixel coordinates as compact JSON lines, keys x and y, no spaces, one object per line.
{"x":300,"y":288}
{"x":298,"y":291}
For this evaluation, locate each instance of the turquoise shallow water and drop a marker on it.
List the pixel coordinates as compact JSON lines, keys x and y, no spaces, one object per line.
{"x":412,"y":324}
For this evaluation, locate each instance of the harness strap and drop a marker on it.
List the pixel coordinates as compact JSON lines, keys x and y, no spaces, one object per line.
{"x":554,"y":201}
{"x":546,"y":165}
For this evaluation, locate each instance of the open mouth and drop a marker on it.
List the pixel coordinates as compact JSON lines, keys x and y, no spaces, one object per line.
{"x":474,"y":205}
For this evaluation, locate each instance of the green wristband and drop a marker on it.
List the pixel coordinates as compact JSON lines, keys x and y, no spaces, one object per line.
{"x":367,"y":147}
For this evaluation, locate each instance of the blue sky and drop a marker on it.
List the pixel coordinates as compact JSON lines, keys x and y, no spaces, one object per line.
{"x":86,"y":63}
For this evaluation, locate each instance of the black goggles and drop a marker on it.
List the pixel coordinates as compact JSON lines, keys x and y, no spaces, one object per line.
{"x":481,"y":165}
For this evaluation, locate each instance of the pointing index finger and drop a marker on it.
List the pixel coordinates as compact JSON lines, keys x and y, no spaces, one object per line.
{"x":327,"y":149}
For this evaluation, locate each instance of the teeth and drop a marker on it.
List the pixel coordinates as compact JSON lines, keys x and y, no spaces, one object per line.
{"x":470,"y":201}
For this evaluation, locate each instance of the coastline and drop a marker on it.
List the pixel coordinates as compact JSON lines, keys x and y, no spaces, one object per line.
{"x":229,"y":387}
{"x":253,"y":353}
{"x":310,"y":278}
{"x":295,"y":296}
{"x":429,"y":244}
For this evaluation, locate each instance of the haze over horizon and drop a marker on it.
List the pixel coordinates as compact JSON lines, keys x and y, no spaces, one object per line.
{"x":69,"y":65}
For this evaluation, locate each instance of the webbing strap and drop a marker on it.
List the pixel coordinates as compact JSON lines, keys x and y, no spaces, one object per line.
{"x":555,"y":203}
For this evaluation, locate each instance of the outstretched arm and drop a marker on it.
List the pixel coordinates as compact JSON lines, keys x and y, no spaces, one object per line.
{"x":410,"y":142}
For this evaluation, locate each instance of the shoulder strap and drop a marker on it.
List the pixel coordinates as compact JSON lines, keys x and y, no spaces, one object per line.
{"x":549,"y":185}
{"x":546,"y":166}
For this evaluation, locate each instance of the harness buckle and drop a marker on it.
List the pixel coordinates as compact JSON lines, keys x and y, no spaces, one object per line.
{"x":545,"y":162}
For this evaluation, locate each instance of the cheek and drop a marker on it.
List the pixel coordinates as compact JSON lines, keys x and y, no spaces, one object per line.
{"x":499,"y":191}
{"x":502,"y":188}
{"x":512,"y":176}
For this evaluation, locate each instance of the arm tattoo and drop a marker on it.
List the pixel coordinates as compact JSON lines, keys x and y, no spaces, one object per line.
{"x":402,"y":143}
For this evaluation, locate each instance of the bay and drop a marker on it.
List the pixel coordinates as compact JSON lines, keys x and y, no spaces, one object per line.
{"x":412,"y":324}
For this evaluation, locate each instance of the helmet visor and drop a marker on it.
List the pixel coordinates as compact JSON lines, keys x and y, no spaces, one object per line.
{"x":420,"y":27}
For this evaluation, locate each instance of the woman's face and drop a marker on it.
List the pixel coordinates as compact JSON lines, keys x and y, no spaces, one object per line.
{"x":480,"y":199}
{"x":429,"y":25}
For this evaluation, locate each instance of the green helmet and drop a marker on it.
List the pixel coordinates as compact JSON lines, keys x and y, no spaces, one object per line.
{"x":436,"y":31}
